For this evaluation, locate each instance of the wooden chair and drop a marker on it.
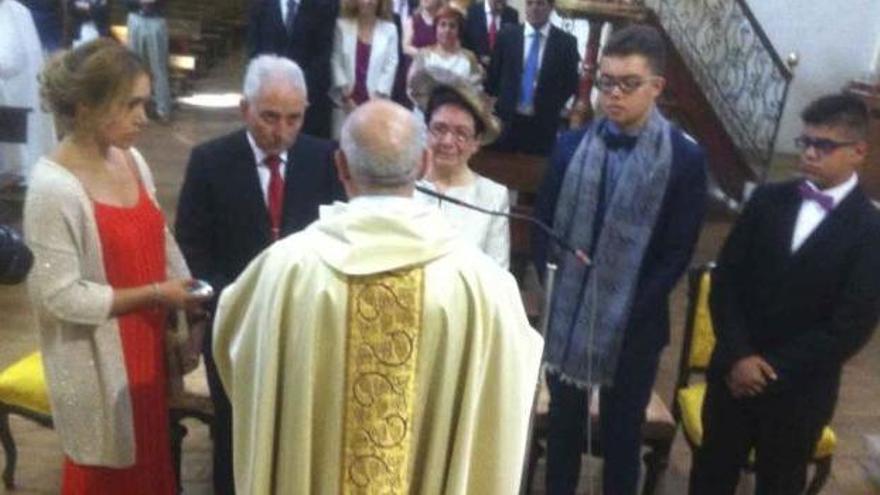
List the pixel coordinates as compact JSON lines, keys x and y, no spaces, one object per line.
{"x":658,"y":432}
{"x":699,"y":340}
{"x":23,"y":392}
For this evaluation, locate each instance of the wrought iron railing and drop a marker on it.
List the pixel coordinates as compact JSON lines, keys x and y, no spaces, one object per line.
{"x":736,"y":66}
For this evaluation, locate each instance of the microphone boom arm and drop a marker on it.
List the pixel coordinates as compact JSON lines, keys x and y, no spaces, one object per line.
{"x":549,"y":232}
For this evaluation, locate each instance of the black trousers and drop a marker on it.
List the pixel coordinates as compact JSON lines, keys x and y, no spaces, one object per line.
{"x":221,"y":429}
{"x":622,"y":413}
{"x":782,"y":427}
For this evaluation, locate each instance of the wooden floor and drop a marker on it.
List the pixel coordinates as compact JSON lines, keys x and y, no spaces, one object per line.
{"x":167,"y":148}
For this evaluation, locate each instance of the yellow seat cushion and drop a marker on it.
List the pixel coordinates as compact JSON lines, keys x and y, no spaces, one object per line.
{"x":703,"y":338}
{"x":690,"y":403}
{"x":23,"y":384}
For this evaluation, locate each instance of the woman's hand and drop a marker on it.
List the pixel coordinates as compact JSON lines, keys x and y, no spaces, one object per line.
{"x":176,"y":293}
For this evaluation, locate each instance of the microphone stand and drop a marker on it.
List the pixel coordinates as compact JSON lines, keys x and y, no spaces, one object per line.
{"x":549,"y":281}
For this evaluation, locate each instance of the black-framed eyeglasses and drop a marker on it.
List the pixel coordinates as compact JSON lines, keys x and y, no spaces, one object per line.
{"x":460,"y":135}
{"x":627,"y":84}
{"x":823,"y":146}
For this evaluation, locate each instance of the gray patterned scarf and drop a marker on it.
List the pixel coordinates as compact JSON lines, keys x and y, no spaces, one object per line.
{"x":602,"y":294}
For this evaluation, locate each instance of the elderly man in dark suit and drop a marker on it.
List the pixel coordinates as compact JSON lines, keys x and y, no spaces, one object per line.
{"x":796,"y":293}
{"x":630,"y":189}
{"x":245,"y":190}
{"x":301,"y":30}
{"x":484,"y":23}
{"x":532,"y":73}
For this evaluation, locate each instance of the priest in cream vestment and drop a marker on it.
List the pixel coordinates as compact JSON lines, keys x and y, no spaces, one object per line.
{"x":375,"y":352}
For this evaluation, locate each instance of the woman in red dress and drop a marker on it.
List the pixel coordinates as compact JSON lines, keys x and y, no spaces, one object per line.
{"x":108,"y":273}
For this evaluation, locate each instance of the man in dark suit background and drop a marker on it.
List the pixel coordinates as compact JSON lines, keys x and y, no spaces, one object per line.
{"x":484,"y":23}
{"x":244,"y":190}
{"x":301,"y":30}
{"x":630,"y":190}
{"x":533,"y":71}
{"x":795,"y":294}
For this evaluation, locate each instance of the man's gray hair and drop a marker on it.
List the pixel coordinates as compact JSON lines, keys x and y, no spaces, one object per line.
{"x":272,"y":68}
{"x":383,"y":158}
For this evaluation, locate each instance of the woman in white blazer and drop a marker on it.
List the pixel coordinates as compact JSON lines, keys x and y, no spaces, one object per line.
{"x":364,"y":59}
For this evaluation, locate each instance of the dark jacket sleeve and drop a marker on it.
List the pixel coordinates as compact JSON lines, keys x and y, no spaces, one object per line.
{"x":728,"y":286}
{"x":254,"y":26}
{"x":675,"y":239}
{"x":570,"y":68}
{"x":853,"y":320}
{"x":15,"y":257}
{"x":548,"y":194}
{"x":195,"y":221}
{"x":496,"y":62}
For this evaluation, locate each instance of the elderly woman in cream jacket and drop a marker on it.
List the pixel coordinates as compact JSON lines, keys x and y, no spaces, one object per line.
{"x":365,"y":56}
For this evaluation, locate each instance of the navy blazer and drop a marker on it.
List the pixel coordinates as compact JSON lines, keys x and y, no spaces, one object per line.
{"x":557,"y":78}
{"x":222,"y":219}
{"x":672,"y":240}
{"x":805,"y":312}
{"x":475,"y":33}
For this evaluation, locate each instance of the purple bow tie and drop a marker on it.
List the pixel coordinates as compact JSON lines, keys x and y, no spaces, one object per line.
{"x":808,"y":193}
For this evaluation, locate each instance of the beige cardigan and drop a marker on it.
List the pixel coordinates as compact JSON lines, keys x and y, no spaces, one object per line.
{"x":82,"y":351}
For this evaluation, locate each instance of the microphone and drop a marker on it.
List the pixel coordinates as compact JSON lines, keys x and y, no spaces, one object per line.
{"x":549,"y":232}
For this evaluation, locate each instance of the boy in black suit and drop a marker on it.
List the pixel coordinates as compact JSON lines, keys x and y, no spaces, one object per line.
{"x":246,"y":189}
{"x":795,"y":294}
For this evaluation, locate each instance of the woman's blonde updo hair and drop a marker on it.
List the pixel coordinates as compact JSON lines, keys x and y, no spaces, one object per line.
{"x":95,"y":75}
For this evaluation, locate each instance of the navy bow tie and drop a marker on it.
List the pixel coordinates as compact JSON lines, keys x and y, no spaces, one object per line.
{"x":808,"y":193}
{"x":619,"y":140}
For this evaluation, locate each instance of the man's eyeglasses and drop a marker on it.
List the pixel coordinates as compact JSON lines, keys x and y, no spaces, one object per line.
{"x":822,"y":146}
{"x":627,"y":84}
{"x":460,"y":135}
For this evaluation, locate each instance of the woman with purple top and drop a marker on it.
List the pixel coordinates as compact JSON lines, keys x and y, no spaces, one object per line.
{"x":418,"y":30}
{"x":364,"y":58}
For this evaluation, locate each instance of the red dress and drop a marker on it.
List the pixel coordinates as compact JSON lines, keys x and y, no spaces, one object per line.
{"x":133,"y":246}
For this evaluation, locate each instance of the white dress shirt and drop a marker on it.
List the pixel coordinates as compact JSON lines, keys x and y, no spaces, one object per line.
{"x":262,"y":169}
{"x":811,"y":214}
{"x":283,"y":4}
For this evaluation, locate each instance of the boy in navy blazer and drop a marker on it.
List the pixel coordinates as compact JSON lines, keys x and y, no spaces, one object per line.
{"x":795,"y":294}
{"x":612,"y":164}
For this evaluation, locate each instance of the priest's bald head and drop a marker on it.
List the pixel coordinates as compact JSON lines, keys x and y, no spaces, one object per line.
{"x":382,"y":150}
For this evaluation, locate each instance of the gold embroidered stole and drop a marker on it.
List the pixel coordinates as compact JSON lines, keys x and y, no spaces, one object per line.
{"x":384,"y":322}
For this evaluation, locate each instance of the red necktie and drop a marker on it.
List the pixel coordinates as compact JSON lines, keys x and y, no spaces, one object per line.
{"x":492,"y":32}
{"x":276,"y":194}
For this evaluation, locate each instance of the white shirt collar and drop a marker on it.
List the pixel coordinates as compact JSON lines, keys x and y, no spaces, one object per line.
{"x":545,"y":30}
{"x":259,"y":154}
{"x":488,"y":9}
{"x":839,"y":191}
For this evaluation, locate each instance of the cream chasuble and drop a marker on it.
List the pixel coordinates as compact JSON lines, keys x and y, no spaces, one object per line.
{"x":374,"y":353}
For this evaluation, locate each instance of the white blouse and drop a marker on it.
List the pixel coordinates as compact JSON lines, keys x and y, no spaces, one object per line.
{"x":490,"y":233}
